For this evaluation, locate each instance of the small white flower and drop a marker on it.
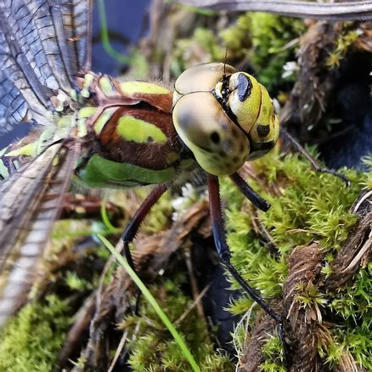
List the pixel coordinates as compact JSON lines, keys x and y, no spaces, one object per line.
{"x":290,"y":68}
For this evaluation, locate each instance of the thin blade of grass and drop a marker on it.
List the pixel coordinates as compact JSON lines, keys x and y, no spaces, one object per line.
{"x":105,"y":36}
{"x":149,"y":297}
{"x":111,"y":229}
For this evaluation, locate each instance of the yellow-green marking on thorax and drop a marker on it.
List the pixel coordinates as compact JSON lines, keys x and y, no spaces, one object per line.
{"x":88,"y":80}
{"x":132,"y":87}
{"x":140,"y":131}
{"x":106,"y":86}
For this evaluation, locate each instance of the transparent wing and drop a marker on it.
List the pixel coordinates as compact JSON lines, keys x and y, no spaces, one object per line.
{"x":44,"y":44}
{"x":30,"y":202}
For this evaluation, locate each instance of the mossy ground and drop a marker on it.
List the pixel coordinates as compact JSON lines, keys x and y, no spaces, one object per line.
{"x":151,"y":335}
{"x":310,"y":207}
{"x":306,"y":206}
{"x":33,"y":339}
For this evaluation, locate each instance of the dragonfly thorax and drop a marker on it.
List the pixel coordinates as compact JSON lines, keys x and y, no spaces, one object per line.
{"x":135,"y":140}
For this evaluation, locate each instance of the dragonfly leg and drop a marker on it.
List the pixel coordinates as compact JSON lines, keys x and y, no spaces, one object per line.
{"x":312,"y":161}
{"x":224,"y":252}
{"x":249,"y":193}
{"x":134,"y":224}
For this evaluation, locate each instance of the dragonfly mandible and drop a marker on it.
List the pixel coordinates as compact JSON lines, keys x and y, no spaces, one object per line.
{"x":110,"y":133}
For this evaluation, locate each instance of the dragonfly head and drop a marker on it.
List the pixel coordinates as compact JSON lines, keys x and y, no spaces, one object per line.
{"x":223,"y":116}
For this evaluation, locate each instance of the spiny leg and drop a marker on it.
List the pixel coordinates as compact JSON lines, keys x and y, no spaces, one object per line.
{"x":312,"y":161}
{"x":224,"y":251}
{"x":134,"y":224}
{"x":249,"y":193}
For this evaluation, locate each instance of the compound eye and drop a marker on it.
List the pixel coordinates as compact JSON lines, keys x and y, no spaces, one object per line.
{"x":245,"y":99}
{"x":265,"y":132}
{"x":218,"y":144}
{"x":201,"y":78}
{"x":244,"y":87}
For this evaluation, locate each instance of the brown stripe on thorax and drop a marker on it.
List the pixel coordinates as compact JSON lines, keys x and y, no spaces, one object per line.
{"x":149,"y":155}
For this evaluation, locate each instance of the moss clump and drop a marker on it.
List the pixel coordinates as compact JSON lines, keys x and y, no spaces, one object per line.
{"x":188,"y":51}
{"x":268,"y":40}
{"x":348,"y":36}
{"x":312,"y":207}
{"x":154,"y":349}
{"x":273,"y":359}
{"x":31,"y":340}
{"x":238,"y":37}
{"x":354,"y":335}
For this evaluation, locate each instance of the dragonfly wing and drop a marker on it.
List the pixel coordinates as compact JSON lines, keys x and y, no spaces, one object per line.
{"x":77,"y":18}
{"x":44,"y":44}
{"x":30,"y":202}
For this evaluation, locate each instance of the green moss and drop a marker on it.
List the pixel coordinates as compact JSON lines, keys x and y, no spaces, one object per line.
{"x":312,"y":207}
{"x":353,"y":339}
{"x":204,"y":41}
{"x":268,"y":40}
{"x":367,"y":183}
{"x":31,"y":341}
{"x":304,"y":211}
{"x":237,"y":37}
{"x":265,"y":40}
{"x":348,"y":36}
{"x":75,"y":283}
{"x":154,"y":349}
{"x":273,"y":358}
{"x":358,"y":342}
{"x":139,"y":65}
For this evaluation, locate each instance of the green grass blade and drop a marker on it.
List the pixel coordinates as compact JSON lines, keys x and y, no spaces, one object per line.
{"x":111,"y":229}
{"x":105,"y":36}
{"x":149,"y":297}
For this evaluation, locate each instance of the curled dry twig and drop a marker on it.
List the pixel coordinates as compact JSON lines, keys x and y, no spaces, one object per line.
{"x":252,"y":355}
{"x":351,"y":10}
{"x":356,"y":252}
{"x":303,"y":322}
{"x":313,"y":87}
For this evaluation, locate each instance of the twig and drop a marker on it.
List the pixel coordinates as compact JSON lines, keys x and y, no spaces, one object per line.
{"x":118,"y":351}
{"x":358,"y":10}
{"x":196,"y":302}
{"x":194,"y":285}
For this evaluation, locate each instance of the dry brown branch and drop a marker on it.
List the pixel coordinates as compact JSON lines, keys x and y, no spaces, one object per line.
{"x":252,"y":354}
{"x":355,"y":253}
{"x":303,"y":322}
{"x":351,"y":10}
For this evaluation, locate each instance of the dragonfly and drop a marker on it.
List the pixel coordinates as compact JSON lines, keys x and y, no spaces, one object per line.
{"x":108,"y":133}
